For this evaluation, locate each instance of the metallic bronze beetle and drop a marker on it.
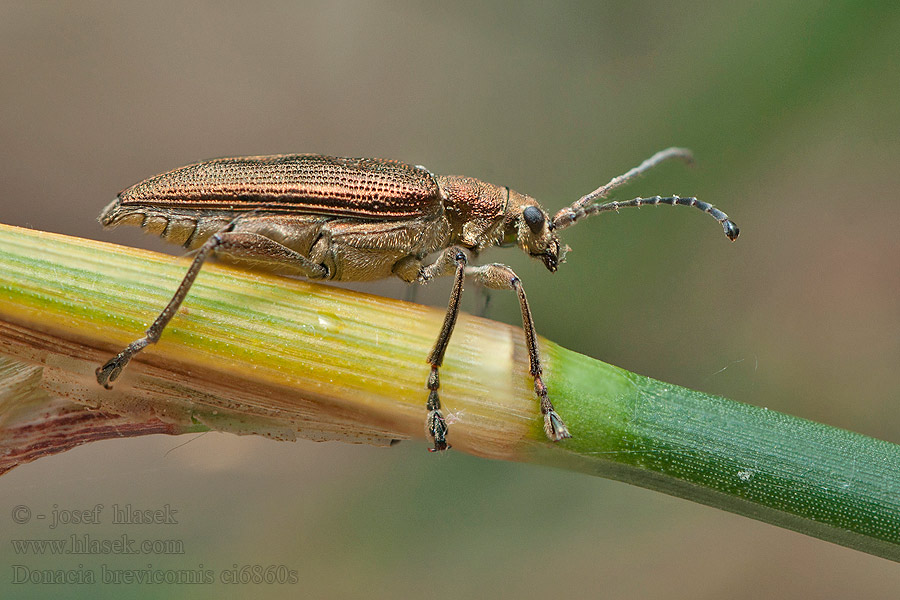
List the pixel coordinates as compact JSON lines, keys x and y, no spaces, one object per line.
{"x":360,"y":219}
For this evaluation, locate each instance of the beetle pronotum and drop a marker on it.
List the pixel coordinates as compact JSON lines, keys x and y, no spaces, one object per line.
{"x":360,"y":219}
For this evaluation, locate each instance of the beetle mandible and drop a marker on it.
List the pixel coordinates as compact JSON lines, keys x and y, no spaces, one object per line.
{"x":361,"y":219}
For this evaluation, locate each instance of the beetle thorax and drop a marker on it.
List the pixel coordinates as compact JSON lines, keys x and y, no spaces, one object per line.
{"x":474,"y":209}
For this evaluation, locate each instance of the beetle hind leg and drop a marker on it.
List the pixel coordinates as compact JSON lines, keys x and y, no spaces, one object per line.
{"x":234,"y":244}
{"x":110,"y":371}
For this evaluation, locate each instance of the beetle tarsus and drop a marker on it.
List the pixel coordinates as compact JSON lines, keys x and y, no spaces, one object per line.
{"x":435,"y":425}
{"x":438,"y":429}
{"x":109,"y":372}
{"x":554,"y":427}
{"x":731,"y":230}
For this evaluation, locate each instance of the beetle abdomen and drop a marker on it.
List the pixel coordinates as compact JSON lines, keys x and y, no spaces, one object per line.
{"x":176,"y":227}
{"x":363,"y":188}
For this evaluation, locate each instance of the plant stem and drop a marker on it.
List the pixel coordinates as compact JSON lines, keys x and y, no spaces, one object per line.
{"x":254,"y":353}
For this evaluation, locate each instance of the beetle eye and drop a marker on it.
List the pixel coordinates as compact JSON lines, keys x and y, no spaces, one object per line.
{"x":534,"y":218}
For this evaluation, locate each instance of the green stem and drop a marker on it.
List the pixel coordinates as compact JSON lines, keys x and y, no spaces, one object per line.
{"x":819,"y":480}
{"x":253,"y":353}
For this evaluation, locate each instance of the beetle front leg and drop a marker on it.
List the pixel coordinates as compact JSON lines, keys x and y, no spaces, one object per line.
{"x":453,"y":258}
{"x":501,"y":277}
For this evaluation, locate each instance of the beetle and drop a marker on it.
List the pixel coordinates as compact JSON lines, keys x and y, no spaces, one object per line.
{"x":361,"y":219}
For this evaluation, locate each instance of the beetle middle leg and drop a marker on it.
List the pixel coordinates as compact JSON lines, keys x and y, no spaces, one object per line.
{"x":453,"y":258}
{"x":241,"y":245}
{"x":501,"y":277}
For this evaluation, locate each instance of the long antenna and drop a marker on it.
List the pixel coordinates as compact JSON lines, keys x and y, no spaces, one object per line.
{"x":586,"y":205}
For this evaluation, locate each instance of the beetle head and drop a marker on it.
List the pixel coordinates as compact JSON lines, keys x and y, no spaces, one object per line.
{"x":531,"y":229}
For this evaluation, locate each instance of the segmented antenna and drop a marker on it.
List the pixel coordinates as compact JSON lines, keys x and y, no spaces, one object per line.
{"x":731,"y":230}
{"x":586,"y":205}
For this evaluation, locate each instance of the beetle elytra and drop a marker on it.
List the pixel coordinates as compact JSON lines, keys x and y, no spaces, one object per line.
{"x":361,"y":219}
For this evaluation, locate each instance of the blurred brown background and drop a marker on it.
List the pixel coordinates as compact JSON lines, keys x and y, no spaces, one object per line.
{"x":792,"y":111}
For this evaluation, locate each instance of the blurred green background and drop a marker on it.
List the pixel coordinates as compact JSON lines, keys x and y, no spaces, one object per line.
{"x":792,"y":111}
